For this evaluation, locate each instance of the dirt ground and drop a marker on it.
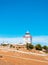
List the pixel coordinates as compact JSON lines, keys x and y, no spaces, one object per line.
{"x":17,"y":58}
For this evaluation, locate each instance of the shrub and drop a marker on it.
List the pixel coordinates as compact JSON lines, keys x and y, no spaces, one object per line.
{"x":4,"y":44}
{"x":45,"y":47}
{"x":11,"y":46}
{"x":29,"y":46}
{"x":38,"y":47}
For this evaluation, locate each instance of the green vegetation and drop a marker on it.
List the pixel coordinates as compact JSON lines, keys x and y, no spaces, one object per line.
{"x":38,"y":47}
{"x":45,"y":47}
{"x":11,"y":46}
{"x":29,"y":46}
{"x":4,"y":44}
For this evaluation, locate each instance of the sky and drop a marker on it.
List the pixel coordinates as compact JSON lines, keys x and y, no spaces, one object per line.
{"x":18,"y":16}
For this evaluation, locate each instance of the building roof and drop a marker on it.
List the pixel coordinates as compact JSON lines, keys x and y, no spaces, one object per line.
{"x":27,"y":32}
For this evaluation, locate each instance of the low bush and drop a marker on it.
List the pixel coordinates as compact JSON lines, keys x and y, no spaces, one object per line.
{"x":29,"y":46}
{"x":38,"y":47}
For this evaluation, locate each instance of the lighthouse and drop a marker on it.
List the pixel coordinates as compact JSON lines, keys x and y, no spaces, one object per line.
{"x":27,"y":37}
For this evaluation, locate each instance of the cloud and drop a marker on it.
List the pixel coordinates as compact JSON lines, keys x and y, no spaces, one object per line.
{"x":40,"y":39}
{"x":35,"y":40}
{"x":12,"y":40}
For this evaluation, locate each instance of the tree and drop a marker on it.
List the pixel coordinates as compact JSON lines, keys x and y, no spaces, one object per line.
{"x":29,"y":46}
{"x":45,"y":47}
{"x":4,"y":44}
{"x":38,"y":47}
{"x":11,"y":46}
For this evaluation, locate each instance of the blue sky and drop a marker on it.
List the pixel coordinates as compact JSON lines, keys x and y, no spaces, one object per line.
{"x":18,"y":16}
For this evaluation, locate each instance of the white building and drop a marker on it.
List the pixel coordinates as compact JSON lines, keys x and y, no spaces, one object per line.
{"x":27,"y":37}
